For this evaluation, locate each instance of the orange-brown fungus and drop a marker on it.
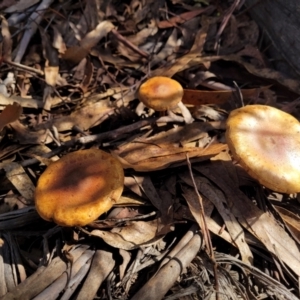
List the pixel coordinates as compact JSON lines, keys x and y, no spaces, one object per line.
{"x":160,"y":93}
{"x":79,"y":187}
{"x":266,"y":142}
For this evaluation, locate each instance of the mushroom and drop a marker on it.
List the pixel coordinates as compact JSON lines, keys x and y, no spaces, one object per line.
{"x":265,"y":141}
{"x":79,"y":187}
{"x":163,"y":94}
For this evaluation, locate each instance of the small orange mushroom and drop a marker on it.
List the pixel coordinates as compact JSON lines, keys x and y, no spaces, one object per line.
{"x":79,"y":187}
{"x":265,"y":141}
{"x":163,"y":94}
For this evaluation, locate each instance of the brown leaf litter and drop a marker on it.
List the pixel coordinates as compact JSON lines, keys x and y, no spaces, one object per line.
{"x":191,"y":224}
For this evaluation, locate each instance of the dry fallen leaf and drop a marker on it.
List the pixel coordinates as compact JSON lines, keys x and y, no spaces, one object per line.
{"x":163,"y":149}
{"x":6,"y":40}
{"x":175,"y":21}
{"x":19,"y":178}
{"x":267,"y":73}
{"x":198,"y":97}
{"x":217,"y":198}
{"x":291,"y":220}
{"x":182,"y":63}
{"x":51,"y":75}
{"x":261,"y":224}
{"x":132,"y":236}
{"x":76,"y":53}
{"x":161,"y":200}
{"x":12,"y":202}
{"x":157,"y":157}
{"x":10,"y":114}
{"x":20,"y":6}
{"x":84,"y":117}
{"x":26,"y":136}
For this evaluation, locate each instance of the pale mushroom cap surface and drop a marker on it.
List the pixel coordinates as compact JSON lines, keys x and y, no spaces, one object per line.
{"x":265,"y":141}
{"x":160,"y":93}
{"x":79,"y":187}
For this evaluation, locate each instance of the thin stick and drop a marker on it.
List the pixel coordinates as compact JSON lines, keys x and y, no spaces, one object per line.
{"x":204,"y":227}
{"x":33,"y":22}
{"x":225,"y":20}
{"x":127,"y":43}
{"x":91,"y":138}
{"x":24,"y":68}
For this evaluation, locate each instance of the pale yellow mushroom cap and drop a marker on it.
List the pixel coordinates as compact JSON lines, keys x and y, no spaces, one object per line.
{"x":79,"y":187}
{"x":160,"y":93}
{"x":266,"y":143}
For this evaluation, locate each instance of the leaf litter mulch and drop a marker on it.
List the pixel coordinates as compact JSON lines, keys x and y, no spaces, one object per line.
{"x":191,"y":223}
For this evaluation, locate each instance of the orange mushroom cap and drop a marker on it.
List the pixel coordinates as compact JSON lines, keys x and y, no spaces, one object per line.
{"x":79,"y":187}
{"x":266,"y":143}
{"x":160,"y":93}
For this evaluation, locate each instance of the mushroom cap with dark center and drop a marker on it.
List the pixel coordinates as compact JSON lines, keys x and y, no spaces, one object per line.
{"x":265,"y":141}
{"x":79,"y":187}
{"x":160,"y":93}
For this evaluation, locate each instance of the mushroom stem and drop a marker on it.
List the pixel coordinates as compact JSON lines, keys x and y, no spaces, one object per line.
{"x":171,"y":117}
{"x":185,"y":113}
{"x":140,"y":109}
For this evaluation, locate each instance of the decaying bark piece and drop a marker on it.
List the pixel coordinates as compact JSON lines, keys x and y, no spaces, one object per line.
{"x":102,"y":265}
{"x":157,"y":286}
{"x":67,"y":279}
{"x":43,"y":277}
